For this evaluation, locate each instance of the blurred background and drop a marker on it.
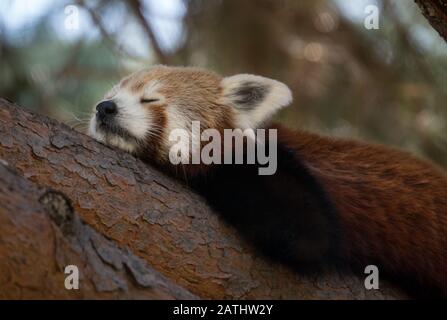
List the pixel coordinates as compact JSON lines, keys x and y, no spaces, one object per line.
{"x":387,"y":85}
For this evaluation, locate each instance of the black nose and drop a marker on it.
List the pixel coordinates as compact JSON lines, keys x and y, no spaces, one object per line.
{"x":105,"y":109}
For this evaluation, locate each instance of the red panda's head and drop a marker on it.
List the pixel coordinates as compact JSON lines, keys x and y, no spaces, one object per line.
{"x":138,"y":114}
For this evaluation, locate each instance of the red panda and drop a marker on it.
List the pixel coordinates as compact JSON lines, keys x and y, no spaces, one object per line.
{"x":329,"y":201}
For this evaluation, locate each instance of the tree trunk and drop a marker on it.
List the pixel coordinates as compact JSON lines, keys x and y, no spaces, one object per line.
{"x":137,"y":218}
{"x":436,"y":13}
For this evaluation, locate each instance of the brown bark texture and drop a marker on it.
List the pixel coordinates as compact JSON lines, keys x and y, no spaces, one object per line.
{"x":132,"y":231}
{"x":436,"y":13}
{"x":41,"y":235}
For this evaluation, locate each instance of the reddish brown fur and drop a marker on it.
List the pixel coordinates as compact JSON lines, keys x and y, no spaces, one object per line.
{"x":197,"y":94}
{"x":393,"y":206}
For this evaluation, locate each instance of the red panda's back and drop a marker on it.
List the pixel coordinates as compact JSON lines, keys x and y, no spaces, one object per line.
{"x":392,"y":206}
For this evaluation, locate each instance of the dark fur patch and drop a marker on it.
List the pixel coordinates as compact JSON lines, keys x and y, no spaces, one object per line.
{"x":288,"y":216}
{"x":249,"y":94}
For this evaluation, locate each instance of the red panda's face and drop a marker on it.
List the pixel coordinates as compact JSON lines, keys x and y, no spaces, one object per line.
{"x":139,"y":113}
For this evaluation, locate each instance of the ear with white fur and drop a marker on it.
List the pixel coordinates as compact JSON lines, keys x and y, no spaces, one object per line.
{"x":254,"y":98}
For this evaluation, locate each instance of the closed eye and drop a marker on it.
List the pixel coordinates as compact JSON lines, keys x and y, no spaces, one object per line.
{"x":148,"y":100}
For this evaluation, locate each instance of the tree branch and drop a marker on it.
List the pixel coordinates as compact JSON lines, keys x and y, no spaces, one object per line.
{"x":139,"y":209}
{"x":41,"y":235}
{"x":436,"y":13}
{"x":108,"y":38}
{"x":137,"y":8}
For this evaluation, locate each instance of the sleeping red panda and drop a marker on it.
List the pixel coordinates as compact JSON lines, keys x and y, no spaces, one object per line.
{"x":333,"y":201}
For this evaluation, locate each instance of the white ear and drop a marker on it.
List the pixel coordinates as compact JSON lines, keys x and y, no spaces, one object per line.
{"x":254,"y":98}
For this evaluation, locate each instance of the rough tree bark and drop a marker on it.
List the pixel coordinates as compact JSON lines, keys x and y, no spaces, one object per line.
{"x":125,"y":220}
{"x":436,"y":13}
{"x":41,"y":235}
